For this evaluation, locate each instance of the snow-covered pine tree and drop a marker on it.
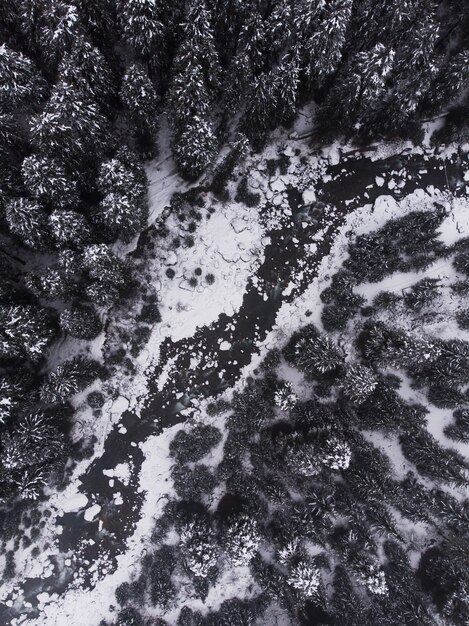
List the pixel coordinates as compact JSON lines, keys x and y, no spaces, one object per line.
{"x":12,"y":393}
{"x":68,"y":379}
{"x":198,"y":31}
{"x":81,"y":322}
{"x":141,"y":26}
{"x":109,"y":275}
{"x":26,"y":332}
{"x":303,"y":460}
{"x":323,"y":46}
{"x":305,"y":578}
{"x":284,"y":397}
{"x":123,"y":210}
{"x":28,"y":221}
{"x":142,"y":103}
{"x":59,"y":25}
{"x":317,"y":355}
{"x":49,"y":283}
{"x":195,"y":147}
{"x":200,"y":548}
{"x":71,"y":127}
{"x":241,"y":539}
{"x":336,"y":454}
{"x":20,"y":84}
{"x":286,"y":84}
{"x":69,"y":229}
{"x":30,"y":482}
{"x":85,"y":68}
{"x":196,"y":74}
{"x":359,"y":383}
{"x":120,"y":216}
{"x":48,"y":182}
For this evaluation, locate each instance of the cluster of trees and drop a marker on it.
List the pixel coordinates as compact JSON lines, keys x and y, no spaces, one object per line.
{"x":299,"y":482}
{"x":301,"y":496}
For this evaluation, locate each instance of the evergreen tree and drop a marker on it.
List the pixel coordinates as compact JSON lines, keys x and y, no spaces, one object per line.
{"x":109,"y":275}
{"x":26,"y":332}
{"x":195,"y":76}
{"x":68,"y":379}
{"x":48,"y":182}
{"x":85,"y":68}
{"x":69,"y":229}
{"x":324,"y":42}
{"x":81,"y":322}
{"x":71,"y":126}
{"x":123,"y":210}
{"x":195,"y":148}
{"x":27,"y":220}
{"x":241,"y":539}
{"x":305,"y":578}
{"x":140,"y":22}
{"x":432,"y":460}
{"x":199,"y":548}
{"x":19,"y":81}
{"x":141,"y":101}
{"x":59,"y":26}
{"x":359,"y":383}
{"x":49,"y":284}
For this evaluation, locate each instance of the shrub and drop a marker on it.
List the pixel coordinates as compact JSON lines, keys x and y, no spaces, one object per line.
{"x":190,"y":447}
{"x":245,"y":196}
{"x":150,"y":313}
{"x":95,"y":399}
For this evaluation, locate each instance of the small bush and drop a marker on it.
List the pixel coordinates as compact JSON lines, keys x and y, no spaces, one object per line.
{"x":150,"y":314}
{"x":95,"y":399}
{"x":192,"y":446}
{"x":245,"y":196}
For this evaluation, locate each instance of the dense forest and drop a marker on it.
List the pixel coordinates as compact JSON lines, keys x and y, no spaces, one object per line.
{"x":86,"y":86}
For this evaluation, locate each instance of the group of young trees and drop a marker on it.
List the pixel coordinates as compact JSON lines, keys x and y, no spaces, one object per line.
{"x":301,"y":497}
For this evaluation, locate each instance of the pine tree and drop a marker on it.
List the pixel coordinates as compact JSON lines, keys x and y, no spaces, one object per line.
{"x":19,"y":81}
{"x":48,"y":182}
{"x":68,"y":379}
{"x":432,"y":460}
{"x":359,"y":383}
{"x":85,"y":68}
{"x":195,"y":77}
{"x":49,"y":284}
{"x":81,"y":322}
{"x":34,"y":440}
{"x":120,"y":216}
{"x":59,"y":26}
{"x":26,"y":332}
{"x":199,"y":548}
{"x":241,"y":539}
{"x":27,"y":220}
{"x":286,"y":86}
{"x":284,"y":397}
{"x":69,"y":229}
{"x":324,"y":45}
{"x":305,"y":578}
{"x":141,"y":101}
{"x":318,"y":355}
{"x":140,"y":22}
{"x":123,"y":210}
{"x":109,"y":275}
{"x":71,"y":126}
{"x":195,"y":148}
